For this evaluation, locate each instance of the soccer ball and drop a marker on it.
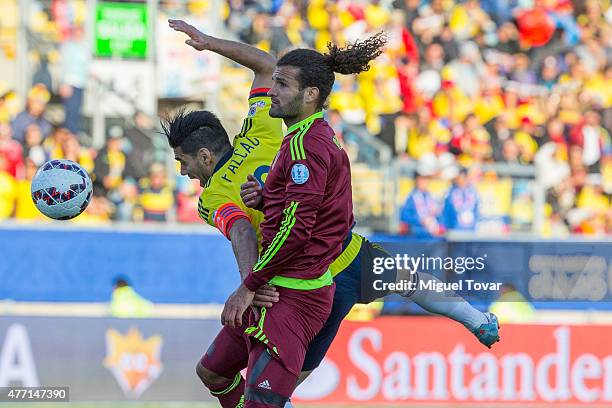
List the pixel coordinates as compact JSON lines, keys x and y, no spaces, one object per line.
{"x":61,"y":189}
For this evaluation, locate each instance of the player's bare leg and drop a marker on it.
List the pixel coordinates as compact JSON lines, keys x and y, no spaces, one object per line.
{"x":447,"y":303}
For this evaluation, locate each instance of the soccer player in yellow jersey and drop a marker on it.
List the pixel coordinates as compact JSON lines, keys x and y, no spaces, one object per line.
{"x":202,"y":147}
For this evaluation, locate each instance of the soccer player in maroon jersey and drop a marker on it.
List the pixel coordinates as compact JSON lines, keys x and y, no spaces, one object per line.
{"x":307,"y":208}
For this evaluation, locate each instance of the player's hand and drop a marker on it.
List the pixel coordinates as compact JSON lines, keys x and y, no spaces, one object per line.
{"x":251,"y":192}
{"x":197,"y":39}
{"x":235,"y":306}
{"x":266,"y":296}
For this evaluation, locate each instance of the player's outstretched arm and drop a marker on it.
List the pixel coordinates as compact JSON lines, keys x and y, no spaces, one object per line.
{"x":246,"y":251}
{"x":260,"y":62}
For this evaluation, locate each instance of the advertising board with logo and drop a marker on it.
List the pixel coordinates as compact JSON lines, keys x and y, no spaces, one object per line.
{"x":106,"y":359}
{"x":433,"y":360}
{"x":391,"y":360}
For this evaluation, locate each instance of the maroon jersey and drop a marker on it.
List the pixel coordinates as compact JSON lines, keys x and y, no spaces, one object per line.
{"x":307,"y":206}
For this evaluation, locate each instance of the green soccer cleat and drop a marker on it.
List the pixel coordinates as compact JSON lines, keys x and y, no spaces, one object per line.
{"x":488,"y":333}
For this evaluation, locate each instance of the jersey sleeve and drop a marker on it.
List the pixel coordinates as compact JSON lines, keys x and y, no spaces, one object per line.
{"x":258,"y":122}
{"x":220,"y":212}
{"x":306,"y":179}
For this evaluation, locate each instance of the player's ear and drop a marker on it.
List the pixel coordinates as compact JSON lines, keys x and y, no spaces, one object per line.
{"x":204,"y":156}
{"x":311,"y":95}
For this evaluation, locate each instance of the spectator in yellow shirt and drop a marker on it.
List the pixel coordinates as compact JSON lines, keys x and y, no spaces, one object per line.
{"x":347,"y":102}
{"x":426,"y":134}
{"x":72,"y":150}
{"x":53,"y":143}
{"x":156,"y":195}
{"x":451,"y":103}
{"x":98,"y":211}
{"x":25,"y":208}
{"x":525,"y":137}
{"x":8,"y":190}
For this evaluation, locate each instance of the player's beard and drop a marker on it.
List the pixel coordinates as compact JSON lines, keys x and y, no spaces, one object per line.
{"x":292,"y":109}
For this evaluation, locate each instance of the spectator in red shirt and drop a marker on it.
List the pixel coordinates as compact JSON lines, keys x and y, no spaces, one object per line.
{"x":12,"y":151}
{"x":593,"y":139}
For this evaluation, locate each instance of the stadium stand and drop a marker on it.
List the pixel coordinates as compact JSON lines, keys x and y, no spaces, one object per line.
{"x":480,"y":84}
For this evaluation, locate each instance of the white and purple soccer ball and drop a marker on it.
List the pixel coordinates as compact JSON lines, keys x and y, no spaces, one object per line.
{"x":61,"y":189}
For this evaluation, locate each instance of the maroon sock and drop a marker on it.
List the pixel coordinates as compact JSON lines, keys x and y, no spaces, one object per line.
{"x":230,"y":394}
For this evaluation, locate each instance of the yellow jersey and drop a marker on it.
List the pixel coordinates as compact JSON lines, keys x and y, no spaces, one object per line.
{"x":252,"y":151}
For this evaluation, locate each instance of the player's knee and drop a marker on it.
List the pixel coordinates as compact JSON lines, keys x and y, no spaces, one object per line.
{"x":208,"y":377}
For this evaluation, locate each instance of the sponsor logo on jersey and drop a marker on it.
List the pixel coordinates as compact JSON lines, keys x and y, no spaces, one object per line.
{"x":265,"y":384}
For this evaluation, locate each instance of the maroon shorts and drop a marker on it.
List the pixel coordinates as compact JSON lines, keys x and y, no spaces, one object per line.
{"x":272,"y":347}
{"x":289,"y":326}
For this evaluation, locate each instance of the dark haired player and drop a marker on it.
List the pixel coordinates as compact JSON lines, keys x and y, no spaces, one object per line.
{"x":202,"y":147}
{"x":308,"y":213}
{"x":302,"y":81}
{"x":356,"y":249}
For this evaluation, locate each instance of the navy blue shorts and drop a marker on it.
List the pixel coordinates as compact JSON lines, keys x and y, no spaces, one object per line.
{"x":350,"y":289}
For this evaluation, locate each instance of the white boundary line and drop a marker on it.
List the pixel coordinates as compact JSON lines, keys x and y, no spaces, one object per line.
{"x":213,"y":311}
{"x":64,"y":309}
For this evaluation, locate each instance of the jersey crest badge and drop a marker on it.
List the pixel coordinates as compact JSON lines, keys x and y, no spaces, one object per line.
{"x":255,"y":106}
{"x":299,"y":173}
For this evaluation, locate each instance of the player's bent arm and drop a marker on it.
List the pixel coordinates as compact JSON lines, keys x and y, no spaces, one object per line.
{"x":299,"y":218}
{"x":235,"y":225}
{"x":244,"y":244}
{"x":260,"y":62}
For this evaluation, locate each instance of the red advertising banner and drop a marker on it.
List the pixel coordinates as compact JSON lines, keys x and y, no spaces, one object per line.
{"x":425,"y":360}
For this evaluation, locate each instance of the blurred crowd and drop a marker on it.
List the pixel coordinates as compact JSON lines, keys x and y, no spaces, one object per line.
{"x":131,"y":179}
{"x":466,"y":83}
{"x":462,"y":84}
{"x":129,"y":185}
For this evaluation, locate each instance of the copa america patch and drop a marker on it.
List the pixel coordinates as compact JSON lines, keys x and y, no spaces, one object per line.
{"x":253,"y":108}
{"x":299,"y":173}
